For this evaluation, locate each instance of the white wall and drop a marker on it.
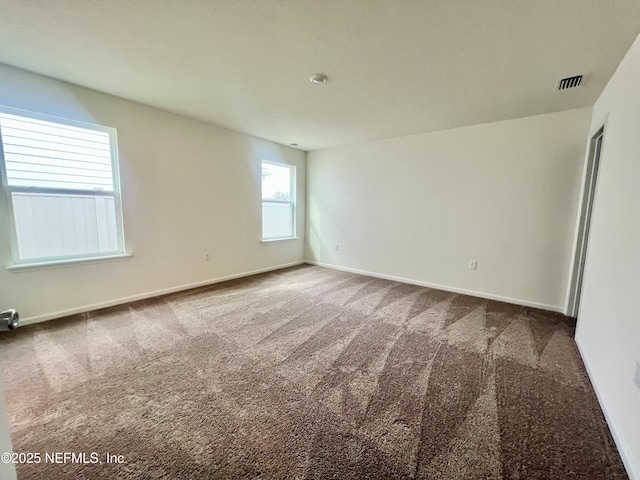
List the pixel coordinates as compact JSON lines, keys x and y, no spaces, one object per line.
{"x":608,"y":331}
{"x":187,"y":188}
{"x":421,"y":207}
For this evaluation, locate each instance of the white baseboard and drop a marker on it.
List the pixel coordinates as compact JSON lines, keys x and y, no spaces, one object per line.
{"x":629,"y":465}
{"x":142,"y":296}
{"x":473,"y":293}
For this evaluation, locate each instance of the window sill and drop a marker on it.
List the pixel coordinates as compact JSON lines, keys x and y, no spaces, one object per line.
{"x":66,"y":263}
{"x":271,"y":240}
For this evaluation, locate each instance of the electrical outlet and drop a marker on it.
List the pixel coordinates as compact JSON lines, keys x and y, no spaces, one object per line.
{"x":473,"y":264}
{"x":636,"y":375}
{"x":336,"y":247}
{"x":206,"y":256}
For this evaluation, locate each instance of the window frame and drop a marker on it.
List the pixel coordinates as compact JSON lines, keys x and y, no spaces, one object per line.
{"x":292,"y":202}
{"x":9,"y":190}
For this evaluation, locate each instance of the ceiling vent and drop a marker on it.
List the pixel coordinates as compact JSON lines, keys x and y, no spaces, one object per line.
{"x":569,"y":82}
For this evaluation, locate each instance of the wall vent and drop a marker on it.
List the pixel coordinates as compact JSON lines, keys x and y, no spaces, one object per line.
{"x":569,"y":82}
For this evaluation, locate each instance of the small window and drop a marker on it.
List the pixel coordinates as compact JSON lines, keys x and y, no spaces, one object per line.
{"x":60,"y":178}
{"x":278,"y":204}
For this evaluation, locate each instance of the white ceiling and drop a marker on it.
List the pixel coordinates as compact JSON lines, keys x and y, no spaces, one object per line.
{"x":396,"y":67}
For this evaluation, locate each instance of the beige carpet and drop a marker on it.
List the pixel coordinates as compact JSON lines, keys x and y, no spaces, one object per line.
{"x":307,"y":373}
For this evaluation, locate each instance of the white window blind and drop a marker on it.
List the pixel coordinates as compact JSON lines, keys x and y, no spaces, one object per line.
{"x":61,"y":182}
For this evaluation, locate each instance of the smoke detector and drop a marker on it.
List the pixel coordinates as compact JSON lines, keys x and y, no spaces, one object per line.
{"x":318,"y":78}
{"x":569,"y":82}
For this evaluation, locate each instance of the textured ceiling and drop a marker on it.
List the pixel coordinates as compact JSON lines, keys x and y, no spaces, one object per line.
{"x":396,"y":67}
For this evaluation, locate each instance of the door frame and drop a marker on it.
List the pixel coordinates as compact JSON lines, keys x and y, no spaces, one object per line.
{"x":585,"y":213}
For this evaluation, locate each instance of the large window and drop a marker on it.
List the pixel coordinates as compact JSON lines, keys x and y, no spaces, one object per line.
{"x":278,"y":206}
{"x":60,"y":178}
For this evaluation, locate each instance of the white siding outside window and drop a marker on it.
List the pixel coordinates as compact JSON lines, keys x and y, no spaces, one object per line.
{"x":61,"y":182}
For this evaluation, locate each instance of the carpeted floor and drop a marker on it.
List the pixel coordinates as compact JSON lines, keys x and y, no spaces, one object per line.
{"x":307,"y":373}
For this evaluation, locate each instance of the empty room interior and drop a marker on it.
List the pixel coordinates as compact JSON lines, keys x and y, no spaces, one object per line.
{"x":312,"y":239}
